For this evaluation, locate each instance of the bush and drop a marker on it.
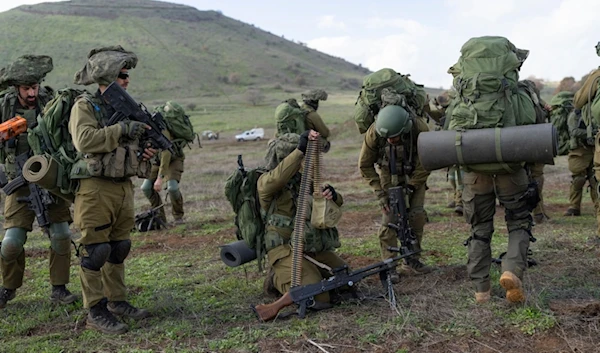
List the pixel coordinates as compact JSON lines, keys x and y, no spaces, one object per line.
{"x":233,"y":78}
{"x":254,"y":96}
{"x":191,"y":106}
{"x":300,"y":80}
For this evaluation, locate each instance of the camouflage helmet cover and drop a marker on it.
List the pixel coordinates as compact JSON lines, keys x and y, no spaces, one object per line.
{"x":104,"y":64}
{"x":314,"y":95}
{"x":392,"y":121}
{"x":598,"y":49}
{"x":279,"y":148}
{"x":26,"y":70}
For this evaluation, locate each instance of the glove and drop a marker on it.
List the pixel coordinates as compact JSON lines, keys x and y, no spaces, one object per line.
{"x":333,"y":193}
{"x":410,"y":189}
{"x":303,"y":142}
{"x":326,"y":145}
{"x":133,"y":129}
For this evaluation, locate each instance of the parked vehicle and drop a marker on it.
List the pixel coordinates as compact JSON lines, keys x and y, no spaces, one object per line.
{"x":255,"y":134}
{"x":210,"y":135}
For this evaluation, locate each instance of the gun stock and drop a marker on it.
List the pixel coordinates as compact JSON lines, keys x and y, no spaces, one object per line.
{"x":268,"y":312}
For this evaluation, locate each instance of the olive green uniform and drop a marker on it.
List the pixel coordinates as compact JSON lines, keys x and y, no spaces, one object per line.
{"x":479,"y":202}
{"x":536,"y":171}
{"x":18,"y":218}
{"x":314,"y":121}
{"x":375,"y":152}
{"x":279,"y":186}
{"x":170,"y":169}
{"x":104,"y":209}
{"x":581,"y":162}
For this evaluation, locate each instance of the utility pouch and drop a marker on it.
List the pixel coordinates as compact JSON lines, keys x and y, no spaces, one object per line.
{"x":114,"y":163}
{"x":325,"y":213}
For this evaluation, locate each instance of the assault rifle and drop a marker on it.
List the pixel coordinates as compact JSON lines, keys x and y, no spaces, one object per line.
{"x":150,"y":220}
{"x":38,"y":200}
{"x":304,"y":295}
{"x":127,"y":108}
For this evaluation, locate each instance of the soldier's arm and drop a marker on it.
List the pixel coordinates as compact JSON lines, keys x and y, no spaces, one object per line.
{"x":583,"y":95}
{"x":315,"y":122}
{"x":574,"y":128}
{"x":87,"y":135}
{"x":165,"y":158}
{"x":367,"y":159}
{"x":270,"y":183}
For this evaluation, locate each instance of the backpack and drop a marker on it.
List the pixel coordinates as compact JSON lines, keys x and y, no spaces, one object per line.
{"x":241,"y":192}
{"x":51,"y":137}
{"x":562,"y":105}
{"x":487,"y":93}
{"x":290,"y":118}
{"x":178,"y":124}
{"x":369,"y":100}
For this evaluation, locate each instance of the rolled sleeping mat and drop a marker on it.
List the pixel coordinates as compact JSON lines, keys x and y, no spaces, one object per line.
{"x":43,"y":171}
{"x":537,"y":143}
{"x":237,"y":253}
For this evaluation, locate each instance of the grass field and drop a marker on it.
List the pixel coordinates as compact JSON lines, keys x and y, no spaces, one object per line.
{"x":200,"y":305}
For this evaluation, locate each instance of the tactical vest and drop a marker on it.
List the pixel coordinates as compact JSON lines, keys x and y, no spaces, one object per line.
{"x":11,"y":107}
{"x":280,"y":228}
{"x":121,"y":163}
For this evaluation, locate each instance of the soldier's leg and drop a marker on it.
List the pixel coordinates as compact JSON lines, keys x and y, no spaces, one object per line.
{"x":387,"y":237}
{"x":511,"y":190}
{"x":451,"y":175}
{"x":153,"y":196}
{"x":175,"y":172}
{"x":60,"y":263}
{"x":537,"y":174}
{"x":12,"y":258}
{"x":417,"y":217}
{"x":479,"y":202}
{"x":577,"y":166}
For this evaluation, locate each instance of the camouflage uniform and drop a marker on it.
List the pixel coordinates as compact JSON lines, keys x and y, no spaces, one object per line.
{"x":310,"y":105}
{"x":375,"y":152}
{"x":280,"y":186}
{"x":582,"y":100}
{"x":581,"y":163}
{"x":104,"y":209}
{"x":170,"y":169}
{"x":18,"y":218}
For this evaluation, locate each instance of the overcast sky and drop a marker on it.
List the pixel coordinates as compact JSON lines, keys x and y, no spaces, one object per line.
{"x":423,"y":38}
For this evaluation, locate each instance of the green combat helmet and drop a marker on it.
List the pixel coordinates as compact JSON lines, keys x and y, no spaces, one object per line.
{"x":392,"y":121}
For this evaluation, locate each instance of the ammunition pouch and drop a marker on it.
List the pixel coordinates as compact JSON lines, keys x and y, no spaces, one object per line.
{"x":121,"y":163}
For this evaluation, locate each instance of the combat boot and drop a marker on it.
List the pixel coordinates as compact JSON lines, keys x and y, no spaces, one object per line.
{"x":483,"y":297}
{"x":6,"y":295}
{"x":99,"y":318}
{"x":451,"y":204}
{"x":458,"y":210}
{"x":572,"y":212}
{"x":61,"y":295}
{"x":513,"y":286}
{"x":416,"y":267}
{"x":123,"y":308}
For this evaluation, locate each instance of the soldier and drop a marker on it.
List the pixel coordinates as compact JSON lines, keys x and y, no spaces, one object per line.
{"x":276,"y":192}
{"x":169,"y":168}
{"x":104,"y":201}
{"x":394,"y":128}
{"x":581,"y":161}
{"x":310,"y":104}
{"x":582,"y":101}
{"x":27,"y":98}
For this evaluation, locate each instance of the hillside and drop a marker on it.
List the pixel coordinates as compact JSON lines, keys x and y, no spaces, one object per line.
{"x":183,"y":52}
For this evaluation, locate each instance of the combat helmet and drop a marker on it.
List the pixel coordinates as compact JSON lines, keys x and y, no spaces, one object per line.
{"x":598,"y":49}
{"x":392,"y":121}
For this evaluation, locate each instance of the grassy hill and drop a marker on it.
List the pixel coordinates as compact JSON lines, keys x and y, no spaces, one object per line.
{"x":183,"y":52}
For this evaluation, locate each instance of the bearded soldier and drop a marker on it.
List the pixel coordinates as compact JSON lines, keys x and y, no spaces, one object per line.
{"x":27,"y":98}
{"x":396,"y":130}
{"x":104,"y":201}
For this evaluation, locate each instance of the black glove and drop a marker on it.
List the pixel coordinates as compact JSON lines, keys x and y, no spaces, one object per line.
{"x":303,"y":142}
{"x":133,"y":129}
{"x":333,"y":193}
{"x":410,"y":189}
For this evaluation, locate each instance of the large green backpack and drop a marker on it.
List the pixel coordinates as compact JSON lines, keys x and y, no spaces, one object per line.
{"x":241,"y":192}
{"x":178,"y":124}
{"x":51,"y":137}
{"x":487,"y":94}
{"x":290,"y":118}
{"x":562,"y":105}
{"x":369,"y":99}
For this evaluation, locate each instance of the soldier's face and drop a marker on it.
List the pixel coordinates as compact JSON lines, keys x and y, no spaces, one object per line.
{"x":28,"y":94}
{"x":395,"y":140}
{"x":123,"y":78}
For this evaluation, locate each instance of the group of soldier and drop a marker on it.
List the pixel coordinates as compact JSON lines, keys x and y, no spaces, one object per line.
{"x":103,"y":207}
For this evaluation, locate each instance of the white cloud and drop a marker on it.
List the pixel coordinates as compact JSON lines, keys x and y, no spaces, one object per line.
{"x":329,"y":22}
{"x":488,"y":11}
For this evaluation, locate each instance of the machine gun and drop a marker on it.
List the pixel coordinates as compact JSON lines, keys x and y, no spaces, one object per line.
{"x":38,"y":200}
{"x":304,"y":295}
{"x":150,"y":220}
{"x":127,"y":108}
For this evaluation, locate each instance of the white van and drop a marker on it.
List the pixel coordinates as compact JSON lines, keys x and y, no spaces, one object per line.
{"x":255,"y":134}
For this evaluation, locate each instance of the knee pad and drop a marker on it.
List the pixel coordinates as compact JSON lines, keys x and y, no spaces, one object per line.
{"x":579,"y":181}
{"x":60,"y":238}
{"x":119,"y":251}
{"x":96,"y":256}
{"x":173,"y":189}
{"x":147,"y":188}
{"x":12,"y":244}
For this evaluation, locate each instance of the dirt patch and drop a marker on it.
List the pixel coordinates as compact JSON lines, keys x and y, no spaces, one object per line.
{"x":582,"y":307}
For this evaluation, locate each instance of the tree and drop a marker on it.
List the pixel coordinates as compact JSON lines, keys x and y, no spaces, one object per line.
{"x":191,"y":106}
{"x":254,"y":96}
{"x":566,"y":84}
